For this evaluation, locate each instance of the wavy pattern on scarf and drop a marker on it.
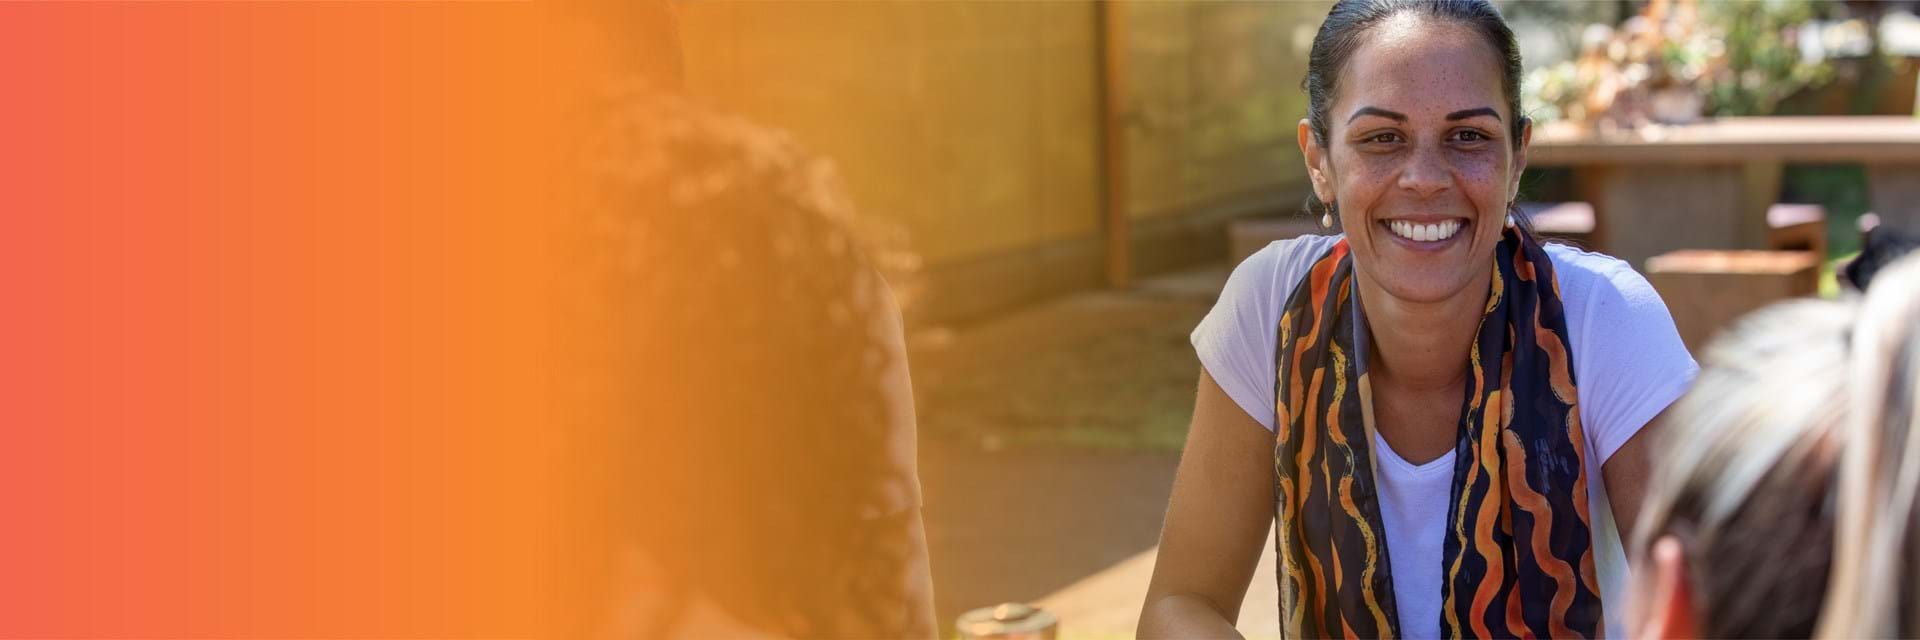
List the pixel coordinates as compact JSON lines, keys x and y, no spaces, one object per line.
{"x":1518,"y":559}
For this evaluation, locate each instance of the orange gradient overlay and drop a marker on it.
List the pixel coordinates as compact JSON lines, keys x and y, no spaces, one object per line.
{"x":275,"y":320}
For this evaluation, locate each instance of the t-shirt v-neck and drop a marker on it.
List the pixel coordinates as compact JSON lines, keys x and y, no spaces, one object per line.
{"x":1413,"y":508}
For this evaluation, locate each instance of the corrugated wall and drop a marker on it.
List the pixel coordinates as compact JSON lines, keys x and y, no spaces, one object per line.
{"x":976,"y":125}
{"x":973,"y":123}
{"x":1216,"y":86}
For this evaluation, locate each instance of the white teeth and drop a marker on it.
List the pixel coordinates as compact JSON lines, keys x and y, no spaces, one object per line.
{"x":1424,"y":232}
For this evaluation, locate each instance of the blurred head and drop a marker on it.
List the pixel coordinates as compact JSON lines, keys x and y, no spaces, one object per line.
{"x":1744,"y":472}
{"x":1877,"y":546}
{"x":748,"y":448}
{"x":1743,"y":529}
{"x":1414,"y":135}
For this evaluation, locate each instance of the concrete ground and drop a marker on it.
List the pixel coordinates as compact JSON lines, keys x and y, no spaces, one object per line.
{"x":1022,"y":525}
{"x":1087,"y":608}
{"x":1049,"y":439}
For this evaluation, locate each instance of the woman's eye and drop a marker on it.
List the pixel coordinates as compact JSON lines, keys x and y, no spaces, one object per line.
{"x":1383,"y":138}
{"x":1469,"y":135}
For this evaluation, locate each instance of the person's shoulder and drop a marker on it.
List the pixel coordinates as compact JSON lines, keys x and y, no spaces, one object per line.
{"x":1264,"y":280}
{"x":1585,"y":275}
{"x":1627,"y":355}
{"x":1313,"y":245}
{"x":1272,"y":271}
{"x":1581,"y":263}
{"x":1282,"y":258}
{"x":1610,"y":306}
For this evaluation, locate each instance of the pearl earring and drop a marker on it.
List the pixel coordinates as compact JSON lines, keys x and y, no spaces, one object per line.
{"x":1326,"y":219}
{"x":1509,"y":219}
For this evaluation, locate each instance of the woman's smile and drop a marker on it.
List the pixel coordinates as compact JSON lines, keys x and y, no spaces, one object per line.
{"x":1422,"y":160}
{"x":1427,"y":233}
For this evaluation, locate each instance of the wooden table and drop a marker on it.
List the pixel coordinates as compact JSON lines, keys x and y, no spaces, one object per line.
{"x":1708,"y":185}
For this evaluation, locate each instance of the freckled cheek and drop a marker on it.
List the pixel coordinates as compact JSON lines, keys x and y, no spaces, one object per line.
{"x":1483,"y":177}
{"x":1473,"y":168}
{"x":1364,"y":179}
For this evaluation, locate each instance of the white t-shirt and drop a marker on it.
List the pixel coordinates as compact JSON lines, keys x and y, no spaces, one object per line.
{"x":1628,"y":361}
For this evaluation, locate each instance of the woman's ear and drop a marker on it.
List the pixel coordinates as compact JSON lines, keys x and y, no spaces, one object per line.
{"x":1666,"y":608}
{"x":1316,"y":156}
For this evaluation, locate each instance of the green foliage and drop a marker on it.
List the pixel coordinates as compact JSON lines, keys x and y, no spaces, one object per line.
{"x":1762,"y":63}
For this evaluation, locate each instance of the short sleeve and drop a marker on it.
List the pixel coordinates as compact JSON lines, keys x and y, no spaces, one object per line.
{"x":1235,"y":342}
{"x":1629,"y":361}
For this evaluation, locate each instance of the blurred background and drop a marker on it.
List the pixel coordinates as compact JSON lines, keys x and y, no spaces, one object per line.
{"x":1075,"y":180}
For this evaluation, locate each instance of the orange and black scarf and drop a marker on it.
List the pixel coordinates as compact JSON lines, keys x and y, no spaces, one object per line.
{"x":1518,"y":559}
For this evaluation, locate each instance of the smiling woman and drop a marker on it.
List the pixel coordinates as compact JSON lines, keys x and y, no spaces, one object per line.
{"x":1433,"y":410}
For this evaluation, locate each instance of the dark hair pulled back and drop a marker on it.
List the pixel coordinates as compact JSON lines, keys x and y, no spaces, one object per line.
{"x":1349,"y":21}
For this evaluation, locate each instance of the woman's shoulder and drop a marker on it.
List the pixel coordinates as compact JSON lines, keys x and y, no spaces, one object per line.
{"x":1569,"y":258}
{"x":1627,"y":354}
{"x":1275,"y":268}
{"x":1615,"y":319}
{"x":1589,"y":278}
{"x":1235,"y":341}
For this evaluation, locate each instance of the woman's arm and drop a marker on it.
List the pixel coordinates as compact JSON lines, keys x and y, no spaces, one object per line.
{"x":1631,"y":365}
{"x":1217,"y":520}
{"x":1626,"y":474}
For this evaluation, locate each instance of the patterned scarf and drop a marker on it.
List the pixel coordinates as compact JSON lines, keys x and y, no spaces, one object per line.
{"x":1518,"y":559}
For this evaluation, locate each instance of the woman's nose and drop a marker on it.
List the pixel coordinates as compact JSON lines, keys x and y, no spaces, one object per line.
{"x":1426,"y":172}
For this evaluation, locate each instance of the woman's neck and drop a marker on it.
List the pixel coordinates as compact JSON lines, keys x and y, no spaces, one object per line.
{"x":1420,"y":345}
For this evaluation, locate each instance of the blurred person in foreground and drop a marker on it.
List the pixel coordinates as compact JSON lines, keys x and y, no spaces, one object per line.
{"x":1434,"y":413}
{"x":756,"y":473}
{"x":1783,"y":495}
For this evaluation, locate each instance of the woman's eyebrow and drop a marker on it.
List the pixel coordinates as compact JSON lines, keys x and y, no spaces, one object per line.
{"x":1468,"y":113}
{"x":1376,"y":111}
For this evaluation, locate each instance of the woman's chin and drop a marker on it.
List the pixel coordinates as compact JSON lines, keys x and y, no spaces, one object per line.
{"x":1425,"y":285}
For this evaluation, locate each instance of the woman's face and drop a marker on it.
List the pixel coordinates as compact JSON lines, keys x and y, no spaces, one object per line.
{"x":1418,"y":157}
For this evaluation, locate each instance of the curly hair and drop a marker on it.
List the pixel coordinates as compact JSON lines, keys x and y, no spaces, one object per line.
{"x":749,"y":457}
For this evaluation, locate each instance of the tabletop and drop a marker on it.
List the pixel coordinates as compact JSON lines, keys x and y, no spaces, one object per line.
{"x":1862,"y":139}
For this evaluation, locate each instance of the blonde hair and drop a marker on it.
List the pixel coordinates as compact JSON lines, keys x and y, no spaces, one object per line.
{"x":1788,"y":472}
{"x":1874,"y":551}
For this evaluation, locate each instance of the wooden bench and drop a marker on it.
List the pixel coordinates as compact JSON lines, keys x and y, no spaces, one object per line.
{"x":1707,"y":289}
{"x":1797,"y":227}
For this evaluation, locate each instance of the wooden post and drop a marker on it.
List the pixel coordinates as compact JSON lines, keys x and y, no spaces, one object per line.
{"x":1114,"y":115}
{"x":1759,"y":189}
{"x":1589,"y":186}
